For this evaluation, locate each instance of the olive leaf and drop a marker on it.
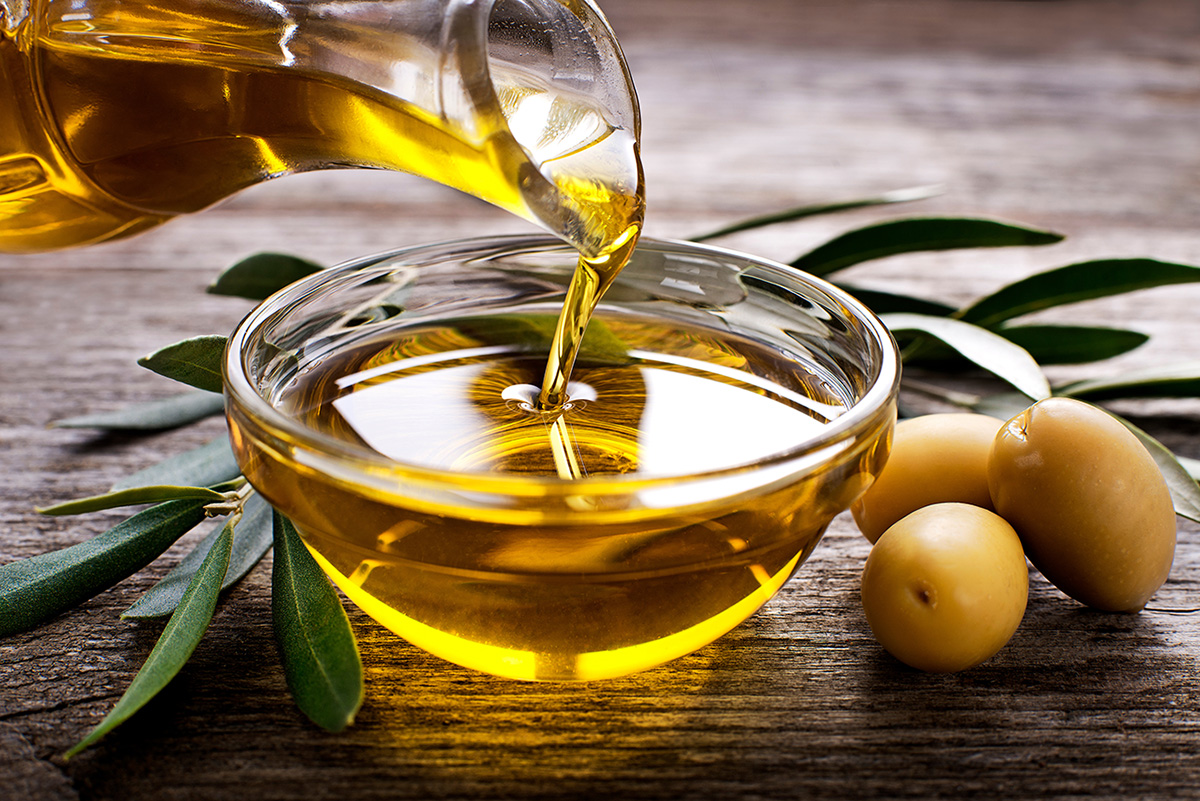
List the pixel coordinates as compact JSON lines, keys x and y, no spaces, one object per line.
{"x":158,"y":415}
{"x":199,"y":467}
{"x":1049,"y":344}
{"x":985,"y":348}
{"x":800,"y":212}
{"x":1171,"y":381}
{"x":882,"y":302}
{"x":132,"y":497}
{"x":917,"y":234}
{"x":176,"y":644}
{"x":35,"y":589}
{"x":195,"y":361}
{"x":1072,"y":344}
{"x":251,"y":541}
{"x":259,"y":276}
{"x":320,"y":655}
{"x":1074,"y":283}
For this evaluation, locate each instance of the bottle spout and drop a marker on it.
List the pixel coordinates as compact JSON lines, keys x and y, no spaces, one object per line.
{"x":568,"y":101}
{"x":539,"y":95}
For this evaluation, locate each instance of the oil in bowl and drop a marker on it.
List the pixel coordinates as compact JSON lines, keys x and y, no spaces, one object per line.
{"x":721,"y":412}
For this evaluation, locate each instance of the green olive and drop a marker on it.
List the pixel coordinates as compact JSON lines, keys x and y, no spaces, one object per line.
{"x":945,"y":587}
{"x":1089,"y":503}
{"x":936,"y":458}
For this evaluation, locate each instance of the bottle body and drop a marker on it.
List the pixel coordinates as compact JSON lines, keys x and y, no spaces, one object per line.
{"x":128,"y":114}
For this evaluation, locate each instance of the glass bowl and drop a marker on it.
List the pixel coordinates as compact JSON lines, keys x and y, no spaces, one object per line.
{"x":722,"y":411}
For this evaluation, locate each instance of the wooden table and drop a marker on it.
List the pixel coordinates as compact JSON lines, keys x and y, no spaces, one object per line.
{"x":1079,"y":115}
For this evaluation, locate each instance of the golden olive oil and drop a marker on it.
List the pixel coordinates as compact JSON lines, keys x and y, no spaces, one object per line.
{"x":558,"y":581}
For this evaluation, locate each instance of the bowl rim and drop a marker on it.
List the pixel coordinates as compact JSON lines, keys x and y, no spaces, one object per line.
{"x":239,"y":391}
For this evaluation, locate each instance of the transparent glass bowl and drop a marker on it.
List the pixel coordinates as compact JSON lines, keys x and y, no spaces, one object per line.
{"x":538,"y":574}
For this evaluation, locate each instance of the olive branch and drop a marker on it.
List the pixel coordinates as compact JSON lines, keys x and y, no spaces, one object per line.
{"x":316,"y":644}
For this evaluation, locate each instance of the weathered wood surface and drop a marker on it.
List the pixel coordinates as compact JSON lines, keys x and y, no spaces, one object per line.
{"x":1077,"y":115}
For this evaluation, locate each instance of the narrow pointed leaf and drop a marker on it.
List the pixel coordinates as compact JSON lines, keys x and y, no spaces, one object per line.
{"x":985,"y":348}
{"x":176,"y":644}
{"x":1049,"y":344}
{"x":259,"y":276}
{"x":320,"y":655}
{"x":132,"y":497}
{"x":37,"y":588}
{"x":196,"y":362}
{"x":200,"y":467}
{"x":159,"y":415}
{"x":800,"y":212}
{"x":1074,"y":283}
{"x":1174,"y":381}
{"x":882,"y":302}
{"x":251,"y":541}
{"x":1185,"y":492}
{"x":1072,"y":344}
{"x":915,"y":235}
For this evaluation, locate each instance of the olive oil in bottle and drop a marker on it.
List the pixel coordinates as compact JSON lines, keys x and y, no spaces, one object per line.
{"x":121,"y":114}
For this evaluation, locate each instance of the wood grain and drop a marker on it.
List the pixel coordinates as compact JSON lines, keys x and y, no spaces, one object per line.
{"x":1077,"y":115}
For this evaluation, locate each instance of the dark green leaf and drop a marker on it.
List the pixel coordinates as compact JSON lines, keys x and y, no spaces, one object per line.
{"x":251,"y":541}
{"x":1047,"y":344}
{"x":34,"y":589}
{"x":1072,"y":344}
{"x":132,"y":497}
{"x":200,"y":467}
{"x":261,"y":275}
{"x":177,"y":642}
{"x":320,"y":656}
{"x":1074,"y":283}
{"x":800,"y":212}
{"x":158,"y":415}
{"x":196,"y":362}
{"x":917,"y":234}
{"x":986,"y":349}
{"x":1185,"y":493}
{"x":1174,"y":381}
{"x":882,"y":302}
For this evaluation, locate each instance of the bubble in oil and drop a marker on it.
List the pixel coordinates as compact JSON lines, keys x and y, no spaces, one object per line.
{"x":525,"y":398}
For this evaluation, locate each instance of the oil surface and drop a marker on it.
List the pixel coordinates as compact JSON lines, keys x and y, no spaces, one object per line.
{"x":575,"y":586}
